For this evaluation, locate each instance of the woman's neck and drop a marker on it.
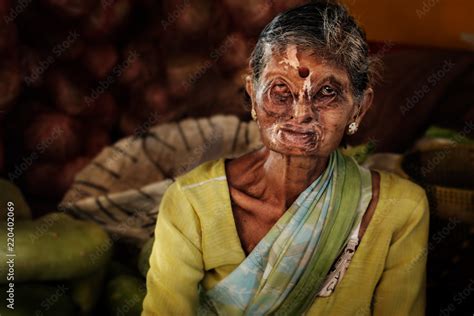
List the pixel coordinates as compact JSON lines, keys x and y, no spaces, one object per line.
{"x":271,"y":178}
{"x":288,"y":176}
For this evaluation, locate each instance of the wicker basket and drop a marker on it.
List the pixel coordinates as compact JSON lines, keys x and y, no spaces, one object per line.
{"x":122,"y":187}
{"x":447,"y":174}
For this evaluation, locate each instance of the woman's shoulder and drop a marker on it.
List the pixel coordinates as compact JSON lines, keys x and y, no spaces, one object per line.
{"x":203,"y":188}
{"x":186,"y":187}
{"x":206,"y":171}
{"x":399,"y":187}
{"x":193,"y":192}
{"x":401,"y":201}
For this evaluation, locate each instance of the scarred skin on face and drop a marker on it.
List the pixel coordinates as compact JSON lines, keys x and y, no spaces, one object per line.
{"x":303,"y":105}
{"x":290,"y":58}
{"x":301,"y":115}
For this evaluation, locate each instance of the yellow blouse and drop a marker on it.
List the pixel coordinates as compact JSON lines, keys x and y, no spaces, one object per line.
{"x":196,"y":241}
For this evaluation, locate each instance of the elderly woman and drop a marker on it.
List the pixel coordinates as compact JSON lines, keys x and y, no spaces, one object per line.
{"x":294,"y":227}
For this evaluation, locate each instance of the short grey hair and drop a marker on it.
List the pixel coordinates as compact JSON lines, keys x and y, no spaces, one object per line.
{"x":323,"y":26}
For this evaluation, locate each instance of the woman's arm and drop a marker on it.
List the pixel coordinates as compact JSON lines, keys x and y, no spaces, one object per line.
{"x":401,"y":289}
{"x":176,"y":265}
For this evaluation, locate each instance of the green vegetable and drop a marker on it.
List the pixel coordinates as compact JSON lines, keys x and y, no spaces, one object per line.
{"x":446,"y":133}
{"x":10,"y":193}
{"x":125,"y":295}
{"x":359,"y":152}
{"x":144,"y":257}
{"x":39,"y":300}
{"x":54,"y":247}
{"x":86,"y":291}
{"x":116,"y":268}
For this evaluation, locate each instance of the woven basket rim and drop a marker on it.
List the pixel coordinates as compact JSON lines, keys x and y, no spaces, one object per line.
{"x":437,"y":148}
{"x":453,"y":189}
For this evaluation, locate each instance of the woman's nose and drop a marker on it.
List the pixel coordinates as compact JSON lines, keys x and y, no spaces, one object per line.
{"x":302,"y":112}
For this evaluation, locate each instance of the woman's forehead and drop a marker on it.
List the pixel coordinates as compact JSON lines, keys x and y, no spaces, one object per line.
{"x":298,"y":62}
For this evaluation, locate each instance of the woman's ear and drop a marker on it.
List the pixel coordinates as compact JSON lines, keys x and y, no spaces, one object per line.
{"x":364,"y":105}
{"x":249,"y":88}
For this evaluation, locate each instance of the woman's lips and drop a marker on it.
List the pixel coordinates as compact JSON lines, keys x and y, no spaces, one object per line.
{"x":297,"y":136}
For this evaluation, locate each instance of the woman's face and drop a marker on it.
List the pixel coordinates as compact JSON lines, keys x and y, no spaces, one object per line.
{"x":303,"y":104}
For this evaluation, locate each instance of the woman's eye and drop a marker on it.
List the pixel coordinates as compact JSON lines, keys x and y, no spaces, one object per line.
{"x":327,"y":91}
{"x":281,"y":94}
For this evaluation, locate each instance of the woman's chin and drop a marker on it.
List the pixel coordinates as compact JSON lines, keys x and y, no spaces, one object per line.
{"x":296,"y":150}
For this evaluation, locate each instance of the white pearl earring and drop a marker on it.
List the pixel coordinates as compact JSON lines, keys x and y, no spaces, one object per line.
{"x":254,"y":114}
{"x":352,"y":128}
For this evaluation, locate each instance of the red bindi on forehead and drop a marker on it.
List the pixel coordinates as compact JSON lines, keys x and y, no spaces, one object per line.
{"x":303,"y":72}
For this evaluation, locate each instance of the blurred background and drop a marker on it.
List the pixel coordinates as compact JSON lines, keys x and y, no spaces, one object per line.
{"x":79,"y":77}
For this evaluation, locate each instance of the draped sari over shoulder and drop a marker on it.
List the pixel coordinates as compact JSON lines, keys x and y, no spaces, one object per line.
{"x":288,"y":267}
